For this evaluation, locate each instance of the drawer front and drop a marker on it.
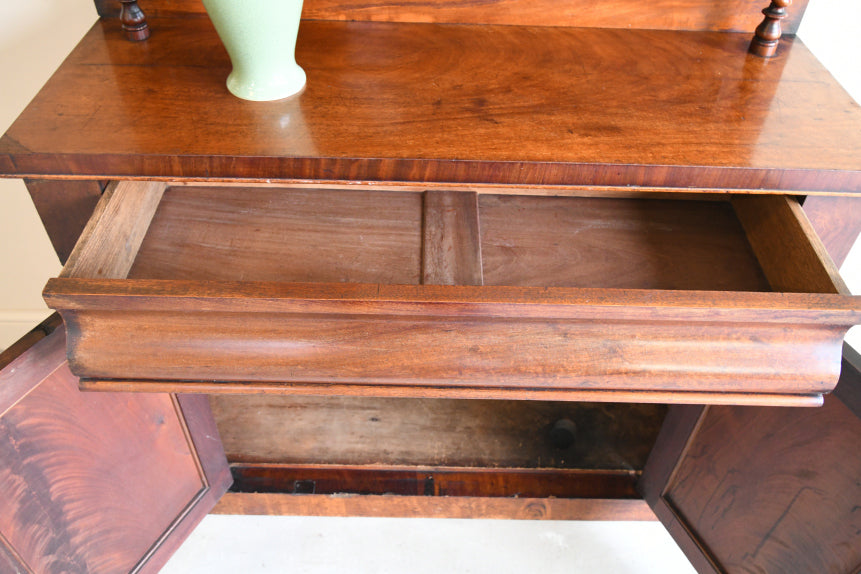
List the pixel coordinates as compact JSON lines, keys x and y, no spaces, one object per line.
{"x":453,"y":294}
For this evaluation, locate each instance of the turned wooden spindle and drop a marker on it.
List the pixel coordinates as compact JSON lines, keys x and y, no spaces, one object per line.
{"x":134,"y":21}
{"x":768,"y":33}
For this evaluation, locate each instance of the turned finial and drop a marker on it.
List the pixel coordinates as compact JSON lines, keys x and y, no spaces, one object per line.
{"x":768,"y":33}
{"x":134,"y":21}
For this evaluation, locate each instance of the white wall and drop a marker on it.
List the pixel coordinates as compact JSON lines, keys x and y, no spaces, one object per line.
{"x":830,"y":29}
{"x":35,"y":36}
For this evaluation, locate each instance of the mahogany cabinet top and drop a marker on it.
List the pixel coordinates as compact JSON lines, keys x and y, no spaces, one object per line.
{"x":459,"y":104}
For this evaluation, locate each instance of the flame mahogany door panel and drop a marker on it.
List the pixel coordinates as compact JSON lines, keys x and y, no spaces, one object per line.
{"x":751,"y":489}
{"x":97,"y":482}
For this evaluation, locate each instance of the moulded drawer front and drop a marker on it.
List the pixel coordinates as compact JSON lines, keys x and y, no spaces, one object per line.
{"x":441,"y":293}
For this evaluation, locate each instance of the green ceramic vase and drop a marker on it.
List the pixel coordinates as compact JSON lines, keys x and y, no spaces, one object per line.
{"x":260,"y":37}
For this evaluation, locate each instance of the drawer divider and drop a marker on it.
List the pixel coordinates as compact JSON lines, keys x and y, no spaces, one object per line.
{"x":451,"y":240}
{"x":109,"y":243}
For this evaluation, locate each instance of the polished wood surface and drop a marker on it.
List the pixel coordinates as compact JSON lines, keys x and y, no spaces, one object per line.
{"x":90,"y":482}
{"x":812,"y":487}
{"x":417,"y":338}
{"x":64,"y":208}
{"x":789,"y":475}
{"x":9,"y":394}
{"x":419,"y":102}
{"x":491,"y":338}
{"x":433,"y":433}
{"x":525,"y":110}
{"x":434,"y":507}
{"x":837,"y":221}
{"x":413,"y":390}
{"x":735,"y":15}
{"x":790,"y":253}
{"x":681,"y":423}
{"x":134,"y":21}
{"x":202,"y":434}
{"x":767,"y":35}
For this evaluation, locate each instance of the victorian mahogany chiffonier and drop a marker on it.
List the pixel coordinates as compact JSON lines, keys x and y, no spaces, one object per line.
{"x":512,"y":259}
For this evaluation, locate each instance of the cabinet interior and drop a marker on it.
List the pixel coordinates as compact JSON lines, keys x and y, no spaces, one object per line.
{"x":293,"y":246}
{"x":445,"y":447}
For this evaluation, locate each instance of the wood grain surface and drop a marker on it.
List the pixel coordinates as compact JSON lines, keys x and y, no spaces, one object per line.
{"x":837,"y":221}
{"x":255,"y":336}
{"x":434,"y":507}
{"x":433,"y":433}
{"x":789,"y":475}
{"x":90,"y":482}
{"x":11,"y":390}
{"x":413,"y":390}
{"x":455,"y":336}
{"x":64,"y":208}
{"x":109,"y":243}
{"x":624,"y":243}
{"x":735,"y":15}
{"x":849,"y":393}
{"x":451,"y":239}
{"x":273,"y":234}
{"x":790,"y":253}
{"x":680,"y":424}
{"x":420,"y":102}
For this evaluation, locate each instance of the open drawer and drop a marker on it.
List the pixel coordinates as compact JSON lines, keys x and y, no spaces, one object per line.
{"x":411,"y":293}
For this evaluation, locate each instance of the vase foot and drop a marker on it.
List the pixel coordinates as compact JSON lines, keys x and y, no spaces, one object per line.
{"x":266,"y":89}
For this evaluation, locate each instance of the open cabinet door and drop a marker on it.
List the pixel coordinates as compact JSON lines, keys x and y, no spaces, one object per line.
{"x":754,"y":489}
{"x":97,"y":482}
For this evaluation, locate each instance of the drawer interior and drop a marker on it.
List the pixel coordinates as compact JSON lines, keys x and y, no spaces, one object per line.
{"x":267,"y":234}
{"x":342,"y":235}
{"x":408,"y":292}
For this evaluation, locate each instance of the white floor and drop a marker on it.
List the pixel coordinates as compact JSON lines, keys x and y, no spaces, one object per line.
{"x":306,"y":545}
